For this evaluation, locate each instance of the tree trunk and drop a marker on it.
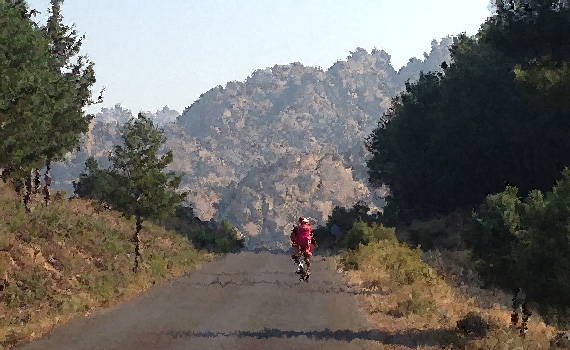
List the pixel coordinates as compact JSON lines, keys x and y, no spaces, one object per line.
{"x":137,"y":244}
{"x":37,"y":182}
{"x":18,"y":185}
{"x":526,"y":315}
{"x":28,"y":194}
{"x":47,"y":179}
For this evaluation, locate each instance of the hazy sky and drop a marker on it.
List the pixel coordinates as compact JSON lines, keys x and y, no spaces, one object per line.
{"x":149,"y":54}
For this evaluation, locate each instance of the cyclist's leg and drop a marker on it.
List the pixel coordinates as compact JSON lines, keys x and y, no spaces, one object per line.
{"x":307,"y":257}
{"x":295,"y":255}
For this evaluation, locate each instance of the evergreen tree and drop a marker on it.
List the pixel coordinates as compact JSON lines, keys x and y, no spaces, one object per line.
{"x":68,"y":119}
{"x":135,"y":184}
{"x":29,"y":84}
{"x":97,"y":184}
{"x":452,"y":138}
{"x":41,"y":115}
{"x":523,"y":243}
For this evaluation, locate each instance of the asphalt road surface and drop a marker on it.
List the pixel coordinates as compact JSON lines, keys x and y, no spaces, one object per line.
{"x":240,"y":301}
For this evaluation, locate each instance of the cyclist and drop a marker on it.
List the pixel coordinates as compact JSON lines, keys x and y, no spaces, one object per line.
{"x":303,"y":243}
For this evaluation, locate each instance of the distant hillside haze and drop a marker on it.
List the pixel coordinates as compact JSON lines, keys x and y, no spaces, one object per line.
{"x":286,"y":142}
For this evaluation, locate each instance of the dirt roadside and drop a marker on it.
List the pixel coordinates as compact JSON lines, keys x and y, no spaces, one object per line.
{"x":242,"y":301}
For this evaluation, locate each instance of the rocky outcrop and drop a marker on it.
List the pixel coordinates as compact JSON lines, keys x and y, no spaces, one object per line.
{"x":288,"y":141}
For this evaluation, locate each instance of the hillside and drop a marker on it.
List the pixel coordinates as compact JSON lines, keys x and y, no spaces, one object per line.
{"x":60,"y":262}
{"x":287,"y":140}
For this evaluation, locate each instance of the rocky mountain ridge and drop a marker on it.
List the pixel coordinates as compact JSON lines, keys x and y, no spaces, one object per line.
{"x":288,"y":141}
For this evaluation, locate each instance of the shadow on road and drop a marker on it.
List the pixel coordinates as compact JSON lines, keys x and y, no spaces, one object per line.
{"x":411,"y":338}
{"x":318,"y":287}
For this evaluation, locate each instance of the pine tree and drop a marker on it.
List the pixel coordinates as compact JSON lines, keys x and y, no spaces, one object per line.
{"x":46,"y":87}
{"x":146,"y":191}
{"x":29,"y":82}
{"x":135,"y":184}
{"x":68,"y":120}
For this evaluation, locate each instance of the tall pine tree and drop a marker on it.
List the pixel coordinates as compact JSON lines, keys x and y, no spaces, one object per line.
{"x":68,"y":120}
{"x":29,"y":83}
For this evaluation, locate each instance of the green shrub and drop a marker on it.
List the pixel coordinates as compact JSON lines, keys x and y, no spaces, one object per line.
{"x":362,"y":233}
{"x":157,"y":267}
{"x":493,"y":235}
{"x":379,"y":232}
{"x":227,"y":238}
{"x":29,"y":287}
{"x":355,"y":236}
{"x":403,"y":263}
{"x":422,"y":305}
{"x":223,"y":244}
{"x":18,"y":217}
{"x":224,"y":239}
{"x":524,"y":244}
{"x":115,"y":246}
{"x":102,"y":284}
{"x":416,"y":304}
{"x":344,"y":220}
{"x":204,"y":238}
{"x":68,"y":303}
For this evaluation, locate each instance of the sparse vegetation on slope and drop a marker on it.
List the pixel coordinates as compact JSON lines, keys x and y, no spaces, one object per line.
{"x":427,"y":299}
{"x":64,"y":260}
{"x":409,"y":297}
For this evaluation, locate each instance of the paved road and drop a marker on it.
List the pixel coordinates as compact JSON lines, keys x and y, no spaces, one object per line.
{"x":241,"y":301}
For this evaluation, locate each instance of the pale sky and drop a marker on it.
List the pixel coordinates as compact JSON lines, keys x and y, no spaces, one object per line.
{"x":151,"y":53}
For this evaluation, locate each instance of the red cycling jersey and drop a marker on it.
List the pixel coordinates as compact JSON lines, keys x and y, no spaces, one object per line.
{"x":303,"y":232}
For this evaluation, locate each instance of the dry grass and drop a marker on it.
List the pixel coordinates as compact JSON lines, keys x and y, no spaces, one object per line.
{"x":63,"y":261}
{"x":442,"y":307}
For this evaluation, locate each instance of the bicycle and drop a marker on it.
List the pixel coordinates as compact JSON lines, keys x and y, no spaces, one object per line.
{"x":302,"y":271}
